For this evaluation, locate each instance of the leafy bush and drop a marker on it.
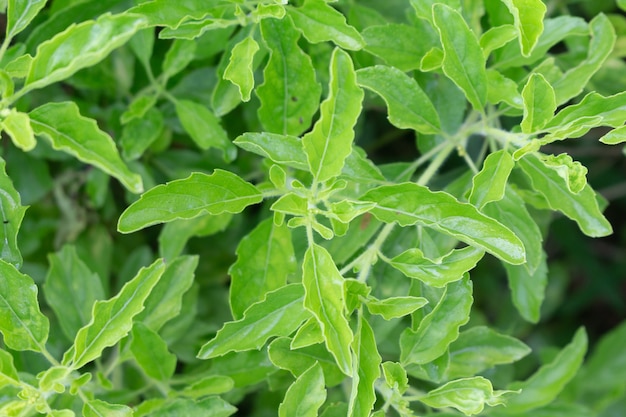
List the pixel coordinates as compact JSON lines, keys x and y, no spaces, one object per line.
{"x":328,"y":175}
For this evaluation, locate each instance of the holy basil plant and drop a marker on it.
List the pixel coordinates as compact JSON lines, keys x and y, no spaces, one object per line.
{"x":293,"y":208}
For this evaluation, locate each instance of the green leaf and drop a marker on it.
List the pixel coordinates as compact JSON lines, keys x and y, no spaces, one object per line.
{"x":20,"y":13}
{"x":438,"y":272}
{"x":208,"y":407}
{"x":545,"y":384}
{"x":140,"y":133}
{"x":368,"y":360}
{"x":290,"y":93}
{"x":424,"y":8}
{"x":463,"y":60}
{"x":395,"y":376}
{"x":240,"y":70}
{"x":324,"y":298}
{"x":204,"y":128}
{"x":468,"y":395}
{"x":22,"y":325}
{"x":490,"y":183}
{"x":573,"y":172}
{"x":308,"y":334}
{"x":211,"y":385}
{"x":603,"y":370}
{"x":150,"y":352}
{"x":172,"y":14}
{"x":395,"y":307}
{"x":12,"y":213}
{"x":440,"y":327}
{"x":174,"y":235}
{"x":621,"y":4}
{"x":330,"y":142}
{"x":180,"y":54}
{"x":539,"y":103}
{"x":80,"y":46}
{"x":98,"y":408}
{"x":244,"y":368}
{"x":8,"y":372}
{"x":319,"y":22}
{"x":502,"y":89}
{"x":581,"y":207}
{"x":528,"y":289}
{"x":187,"y":198}
{"x":408,"y":106}
{"x":305,"y":396}
{"x":481,"y":348}
{"x":69,"y":131}
{"x":71,"y":289}
{"x":265,"y":259}
{"x":615,"y":136}
{"x":496,"y":38}
{"x":410,"y":203}
{"x":281,"y":149}
{"x":280,"y":313}
{"x":17,"y":126}
{"x":113,"y":319}
{"x":528,"y":20}
{"x":166,"y":298}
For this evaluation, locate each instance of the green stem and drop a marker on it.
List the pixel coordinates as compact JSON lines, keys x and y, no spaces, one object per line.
{"x":435,"y":164}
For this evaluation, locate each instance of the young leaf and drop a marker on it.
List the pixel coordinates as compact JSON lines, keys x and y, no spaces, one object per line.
{"x":305,"y":396}
{"x":98,"y":408}
{"x":490,"y":183}
{"x":279,"y":314}
{"x":368,"y":360}
{"x":319,"y":22}
{"x":308,"y":334}
{"x":281,"y":149}
{"x":539,"y":103}
{"x":68,"y":274}
{"x":265,"y":259}
{"x":330,"y":142}
{"x":17,"y":126}
{"x":69,"y":131}
{"x":395,"y":307}
{"x":20,"y":13}
{"x":240,"y":70}
{"x":528,"y":20}
{"x":408,"y":106}
{"x":439,"y":272}
{"x":615,"y":136}
{"x":497,"y":37}
{"x":324,"y":298}
{"x":440,"y":327}
{"x":211,"y":385}
{"x":410,"y":203}
{"x":187,"y":198}
{"x":12,"y":213}
{"x":112,"y":319}
{"x":581,"y":207}
{"x":290,"y":93}
{"x":545,"y":384}
{"x":528,"y":289}
{"x":463,"y":60}
{"x":204,"y":128}
{"x":150,"y":352}
{"x":22,"y":324}
{"x":80,"y":46}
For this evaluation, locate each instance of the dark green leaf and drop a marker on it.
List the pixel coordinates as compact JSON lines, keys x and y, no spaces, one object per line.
{"x":151,"y":353}
{"x":180,"y":54}
{"x":12,"y":213}
{"x":140,"y":133}
{"x":528,"y":289}
{"x":174,"y":235}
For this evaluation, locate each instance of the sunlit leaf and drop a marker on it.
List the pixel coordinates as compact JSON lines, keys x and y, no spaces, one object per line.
{"x":528,"y":20}
{"x":17,"y":126}
{"x":368,"y":360}
{"x":539,"y":103}
{"x":305,"y":396}
{"x":490,"y":183}
{"x":615,"y":136}
{"x":98,"y":408}
{"x":172,"y":14}
{"x":497,"y":37}
{"x":210,"y":385}
{"x":20,"y":13}
{"x":12,"y":213}
{"x":240,"y":70}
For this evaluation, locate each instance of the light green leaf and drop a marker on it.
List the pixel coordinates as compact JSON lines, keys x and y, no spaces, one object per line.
{"x":17,"y":126}
{"x":240,"y":70}
{"x":69,"y":131}
{"x":187,"y":198}
{"x":319,"y":22}
{"x":545,"y":384}
{"x":424,"y":8}
{"x":208,"y":407}
{"x":211,"y":385}
{"x":98,"y":408}
{"x":142,"y":45}
{"x":408,"y":106}
{"x":291,"y":203}
{"x":8,"y":372}
{"x":324,"y":298}
{"x":140,"y":133}
{"x":166,"y":298}
{"x":468,"y":395}
{"x":438,"y":272}
{"x":409,"y":204}
{"x":290,"y":92}
{"x":395,"y":376}
{"x":244,"y":368}
{"x":113,"y":319}
{"x":20,"y":13}
{"x":281,"y":149}
{"x":621,"y":4}
{"x":180,"y":54}
{"x":581,"y":207}
{"x":360,"y":169}
{"x":151,"y":353}
{"x":528,"y":289}
{"x":308,"y":334}
{"x":502,"y":89}
{"x":368,"y":360}
{"x":71,"y":289}
{"x":171,"y":14}
{"x":496,"y":38}
{"x":12,"y":213}
{"x":305,"y":396}
{"x":615,"y":136}
{"x":432,"y":60}
{"x":490,"y":183}
{"x":463,"y":60}
{"x":330,"y":142}
{"x":528,"y":20}
{"x":395,"y":307}
{"x":204,"y":128}
{"x":280,"y":313}
{"x":174,"y":235}
{"x":22,"y":325}
{"x":481,"y":348}
{"x":440,"y":327}
{"x":80,"y":46}
{"x":573,"y":172}
{"x":539,"y":103}
{"x":600,"y":47}
{"x":265,"y":259}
